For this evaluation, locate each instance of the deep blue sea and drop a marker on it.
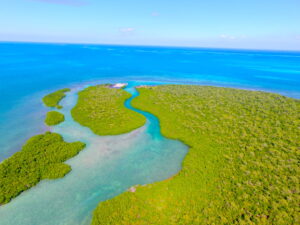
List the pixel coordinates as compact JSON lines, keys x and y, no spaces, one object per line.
{"x":111,"y":164}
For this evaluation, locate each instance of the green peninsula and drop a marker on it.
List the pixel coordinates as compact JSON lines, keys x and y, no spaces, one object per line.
{"x":102,"y":109}
{"x":53,"y":99}
{"x":54,"y":118}
{"x":242,"y":166}
{"x":41,"y":157}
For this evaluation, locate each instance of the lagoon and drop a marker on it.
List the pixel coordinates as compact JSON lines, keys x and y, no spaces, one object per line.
{"x":108,"y":166}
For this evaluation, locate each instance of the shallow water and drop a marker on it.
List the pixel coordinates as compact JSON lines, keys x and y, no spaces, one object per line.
{"x":105,"y":168}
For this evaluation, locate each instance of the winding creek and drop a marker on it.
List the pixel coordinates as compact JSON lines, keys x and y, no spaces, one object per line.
{"x":108,"y":166}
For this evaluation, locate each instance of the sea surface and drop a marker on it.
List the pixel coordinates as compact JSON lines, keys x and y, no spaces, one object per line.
{"x":109,"y":165}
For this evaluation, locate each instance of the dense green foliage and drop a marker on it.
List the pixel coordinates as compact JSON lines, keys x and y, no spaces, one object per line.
{"x":102,"y":109}
{"x":41,"y":157}
{"x":53,"y":99}
{"x":54,"y":118}
{"x":242,"y":166}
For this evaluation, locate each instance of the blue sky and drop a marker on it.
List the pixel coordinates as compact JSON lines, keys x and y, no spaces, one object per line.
{"x":254,"y":24}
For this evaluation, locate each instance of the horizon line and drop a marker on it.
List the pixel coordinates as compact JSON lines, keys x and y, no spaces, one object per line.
{"x":149,"y":45}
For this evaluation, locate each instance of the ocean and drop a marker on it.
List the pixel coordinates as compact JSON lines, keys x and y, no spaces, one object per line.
{"x":29,"y":71}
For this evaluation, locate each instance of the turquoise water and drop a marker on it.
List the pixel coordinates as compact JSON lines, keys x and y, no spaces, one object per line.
{"x":108,"y":166}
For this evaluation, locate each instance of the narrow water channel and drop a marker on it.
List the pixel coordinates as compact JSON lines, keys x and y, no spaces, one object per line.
{"x":108,"y":166}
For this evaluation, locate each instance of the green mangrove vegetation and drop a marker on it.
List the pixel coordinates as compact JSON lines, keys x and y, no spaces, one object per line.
{"x":102,"y":109}
{"x":54,"y":118}
{"x":41,"y":157}
{"x":242,"y":166}
{"x":53,"y":99}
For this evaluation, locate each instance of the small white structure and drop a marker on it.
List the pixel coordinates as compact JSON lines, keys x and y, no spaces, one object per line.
{"x":119,"y":85}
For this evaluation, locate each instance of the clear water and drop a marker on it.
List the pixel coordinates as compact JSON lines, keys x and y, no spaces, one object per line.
{"x":105,"y":168}
{"x":110,"y":165}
